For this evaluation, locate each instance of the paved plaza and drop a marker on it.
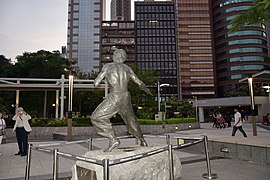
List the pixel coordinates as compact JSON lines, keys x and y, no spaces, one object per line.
{"x":194,"y":165}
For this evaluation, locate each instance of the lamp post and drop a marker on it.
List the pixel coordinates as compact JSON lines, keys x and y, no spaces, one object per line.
{"x":159,"y":86}
{"x":70,"y":97}
{"x":196,"y":106}
{"x":251,"y":93}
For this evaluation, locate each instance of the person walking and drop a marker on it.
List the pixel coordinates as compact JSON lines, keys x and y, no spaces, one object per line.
{"x":22,"y":129}
{"x":117,"y":101}
{"x":2,"y":128}
{"x":238,"y":123}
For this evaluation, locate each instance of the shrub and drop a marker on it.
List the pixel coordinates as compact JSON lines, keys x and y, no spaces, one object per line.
{"x":57,"y":122}
{"x":180,"y":120}
{"x":149,"y":122}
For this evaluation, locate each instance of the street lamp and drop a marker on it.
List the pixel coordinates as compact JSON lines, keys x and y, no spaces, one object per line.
{"x":70,"y":97}
{"x":251,"y":93}
{"x":196,"y":106}
{"x":159,"y":86}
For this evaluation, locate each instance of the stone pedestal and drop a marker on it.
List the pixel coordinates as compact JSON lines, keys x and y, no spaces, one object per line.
{"x":155,"y":167}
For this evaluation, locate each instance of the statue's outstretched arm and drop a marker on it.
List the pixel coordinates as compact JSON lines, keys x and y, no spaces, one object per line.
{"x":142,"y":86}
{"x":100,"y":76}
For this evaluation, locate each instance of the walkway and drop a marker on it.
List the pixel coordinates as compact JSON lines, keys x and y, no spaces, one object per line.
{"x":13,"y":167}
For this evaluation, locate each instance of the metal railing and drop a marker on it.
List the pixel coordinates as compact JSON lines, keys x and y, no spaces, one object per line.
{"x":106,"y":163}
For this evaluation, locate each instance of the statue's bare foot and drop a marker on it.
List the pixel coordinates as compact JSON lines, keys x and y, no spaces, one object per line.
{"x":143,"y":142}
{"x":113,"y":144}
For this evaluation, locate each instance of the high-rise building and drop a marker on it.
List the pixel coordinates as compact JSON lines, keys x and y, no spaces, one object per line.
{"x":156,"y":42}
{"x":240,"y":53}
{"x":121,"y":10}
{"x":195,"y":52}
{"x":83,"y":43}
{"x":120,"y":35}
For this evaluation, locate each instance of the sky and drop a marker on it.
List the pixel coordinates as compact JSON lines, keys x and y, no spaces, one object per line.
{"x":32,"y":25}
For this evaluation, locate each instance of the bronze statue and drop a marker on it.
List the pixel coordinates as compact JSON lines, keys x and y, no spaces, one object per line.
{"x":118,"y":100}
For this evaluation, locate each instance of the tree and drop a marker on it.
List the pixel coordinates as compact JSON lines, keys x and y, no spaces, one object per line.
{"x":42,"y":64}
{"x":148,"y":77}
{"x":5,"y":65}
{"x":243,"y":90}
{"x":259,"y":13}
{"x":185,"y":108}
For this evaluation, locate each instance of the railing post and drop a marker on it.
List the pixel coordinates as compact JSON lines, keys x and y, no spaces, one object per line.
{"x":136,"y":141}
{"x":106,"y":169}
{"x":28,"y":162}
{"x":168,"y":139}
{"x":90,"y":144}
{"x":208,"y":175}
{"x":170,"y":152}
{"x":55,"y":164}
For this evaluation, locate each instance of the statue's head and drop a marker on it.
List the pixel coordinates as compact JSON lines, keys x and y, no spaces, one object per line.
{"x":119,"y":55}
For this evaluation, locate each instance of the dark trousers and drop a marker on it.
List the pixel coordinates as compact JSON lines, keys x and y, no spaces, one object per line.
{"x":22,"y":139}
{"x":240,"y":129}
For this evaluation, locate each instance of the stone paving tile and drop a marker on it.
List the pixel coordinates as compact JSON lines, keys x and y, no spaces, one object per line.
{"x":13,"y":167}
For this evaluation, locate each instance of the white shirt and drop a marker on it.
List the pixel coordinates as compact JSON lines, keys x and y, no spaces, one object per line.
{"x":22,"y":121}
{"x":237,"y":116}
{"x":2,"y":123}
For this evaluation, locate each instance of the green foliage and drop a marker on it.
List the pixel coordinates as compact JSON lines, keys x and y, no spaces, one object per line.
{"x":259,"y":13}
{"x":43,"y":64}
{"x":145,"y":75}
{"x":38,"y":122}
{"x":243,"y":90}
{"x":5,"y":65}
{"x":81,"y":122}
{"x":57,"y":122}
{"x":43,"y":122}
{"x":149,"y":122}
{"x":180,"y":120}
{"x":145,"y":115}
{"x":184,"y":107}
{"x":167,"y":121}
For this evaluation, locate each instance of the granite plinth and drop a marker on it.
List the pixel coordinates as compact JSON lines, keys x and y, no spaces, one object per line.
{"x":154,"y":167}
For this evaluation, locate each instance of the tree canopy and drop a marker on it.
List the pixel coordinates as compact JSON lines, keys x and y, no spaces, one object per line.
{"x":259,"y":13}
{"x":41,"y":64}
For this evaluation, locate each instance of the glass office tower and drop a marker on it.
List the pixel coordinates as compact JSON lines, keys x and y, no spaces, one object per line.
{"x":83,"y":44}
{"x":237,"y":54}
{"x":156,"y":42}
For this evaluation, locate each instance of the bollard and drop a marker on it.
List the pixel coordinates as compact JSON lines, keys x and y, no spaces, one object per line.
{"x":28,"y":162}
{"x":106,"y":169}
{"x":55,"y":164}
{"x":90,"y":144}
{"x":208,"y":175}
{"x":170,"y":152}
{"x":168,"y":139}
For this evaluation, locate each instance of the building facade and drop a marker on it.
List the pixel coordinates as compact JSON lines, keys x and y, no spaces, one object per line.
{"x":83,"y":44}
{"x":121,"y":9}
{"x":240,"y":53}
{"x":156,"y":42}
{"x":195,"y":51}
{"x":120,"y":35}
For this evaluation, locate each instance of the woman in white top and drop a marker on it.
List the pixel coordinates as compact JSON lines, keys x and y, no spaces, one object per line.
{"x":2,"y":127}
{"x":22,"y":128}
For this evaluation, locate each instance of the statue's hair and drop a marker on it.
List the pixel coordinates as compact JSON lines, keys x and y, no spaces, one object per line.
{"x":122,"y":52}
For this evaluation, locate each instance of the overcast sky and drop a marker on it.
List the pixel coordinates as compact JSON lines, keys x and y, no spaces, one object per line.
{"x":32,"y":25}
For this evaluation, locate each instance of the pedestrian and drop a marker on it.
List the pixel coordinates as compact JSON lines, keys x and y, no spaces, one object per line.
{"x":2,"y":128}
{"x":218,"y":116}
{"x":22,"y":129}
{"x":214,"y":119}
{"x":118,"y":100}
{"x":238,"y":123}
